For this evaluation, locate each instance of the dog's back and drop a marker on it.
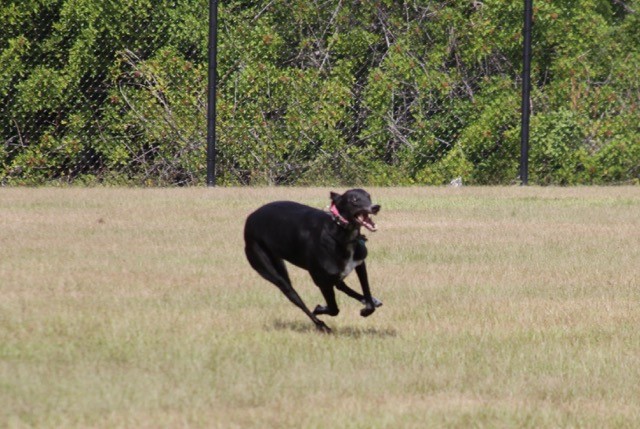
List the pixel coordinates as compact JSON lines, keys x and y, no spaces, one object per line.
{"x":285,"y":229}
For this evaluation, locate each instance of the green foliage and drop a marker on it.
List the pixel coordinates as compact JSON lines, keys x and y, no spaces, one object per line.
{"x":313,"y":92}
{"x":455,"y":164}
{"x":558,"y":154}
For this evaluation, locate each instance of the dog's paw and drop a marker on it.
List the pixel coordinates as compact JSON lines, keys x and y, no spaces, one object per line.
{"x":322,"y":327}
{"x":367,"y":311}
{"x":376,"y":302}
{"x":321,"y":309}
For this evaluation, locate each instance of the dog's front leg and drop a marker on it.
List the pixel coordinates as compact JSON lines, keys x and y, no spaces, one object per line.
{"x":370,"y":306}
{"x":331,"y":309}
{"x":342,"y":286}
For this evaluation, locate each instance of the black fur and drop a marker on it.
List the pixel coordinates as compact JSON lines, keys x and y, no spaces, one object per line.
{"x":326,"y":245}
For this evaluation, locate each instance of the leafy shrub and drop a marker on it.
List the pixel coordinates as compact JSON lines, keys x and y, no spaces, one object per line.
{"x":385,"y":93}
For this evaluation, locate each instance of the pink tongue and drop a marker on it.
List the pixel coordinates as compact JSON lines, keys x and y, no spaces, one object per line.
{"x":368,"y":223}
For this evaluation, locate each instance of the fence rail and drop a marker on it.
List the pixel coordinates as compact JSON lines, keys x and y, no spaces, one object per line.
{"x":317,"y":92}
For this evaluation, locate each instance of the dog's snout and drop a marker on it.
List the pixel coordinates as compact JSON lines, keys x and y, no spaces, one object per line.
{"x":375,"y":209}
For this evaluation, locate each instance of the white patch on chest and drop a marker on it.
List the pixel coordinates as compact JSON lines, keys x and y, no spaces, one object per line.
{"x":349,"y":266}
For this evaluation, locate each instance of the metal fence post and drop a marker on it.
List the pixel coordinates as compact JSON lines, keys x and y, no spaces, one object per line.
{"x":211,"y":100}
{"x":526,"y":89}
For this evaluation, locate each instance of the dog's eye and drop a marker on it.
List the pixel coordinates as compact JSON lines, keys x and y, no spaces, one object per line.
{"x":355,"y":199}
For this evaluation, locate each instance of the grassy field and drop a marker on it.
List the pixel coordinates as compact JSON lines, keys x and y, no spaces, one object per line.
{"x":503,"y":307}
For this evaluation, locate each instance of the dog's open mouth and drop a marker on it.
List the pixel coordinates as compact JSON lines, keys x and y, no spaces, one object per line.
{"x":365,"y":220}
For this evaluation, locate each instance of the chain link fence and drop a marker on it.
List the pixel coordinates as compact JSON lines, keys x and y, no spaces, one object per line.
{"x":103,"y":92}
{"x":316,"y":92}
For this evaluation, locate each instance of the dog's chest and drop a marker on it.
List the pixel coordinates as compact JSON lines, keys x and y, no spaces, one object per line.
{"x":352,"y":261}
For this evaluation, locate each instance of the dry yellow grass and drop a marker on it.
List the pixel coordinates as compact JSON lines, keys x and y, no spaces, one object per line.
{"x":504,"y":307}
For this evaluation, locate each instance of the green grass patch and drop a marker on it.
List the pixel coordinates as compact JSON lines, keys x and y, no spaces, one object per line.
{"x":503,"y":307}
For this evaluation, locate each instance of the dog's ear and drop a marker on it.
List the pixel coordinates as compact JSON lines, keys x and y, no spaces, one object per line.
{"x":335,"y":197}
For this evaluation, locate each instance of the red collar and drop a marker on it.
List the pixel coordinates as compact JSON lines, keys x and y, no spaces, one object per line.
{"x":337,"y":217}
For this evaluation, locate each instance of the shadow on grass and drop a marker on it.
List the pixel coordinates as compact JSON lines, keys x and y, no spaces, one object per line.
{"x":345,"y":331}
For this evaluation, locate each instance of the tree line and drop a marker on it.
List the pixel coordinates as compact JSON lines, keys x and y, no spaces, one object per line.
{"x":376,"y":92}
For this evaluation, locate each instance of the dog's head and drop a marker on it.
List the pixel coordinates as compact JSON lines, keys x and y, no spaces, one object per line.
{"x":354,"y":208}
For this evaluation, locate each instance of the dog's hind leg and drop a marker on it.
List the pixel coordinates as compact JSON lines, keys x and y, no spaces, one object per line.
{"x":274,"y":270}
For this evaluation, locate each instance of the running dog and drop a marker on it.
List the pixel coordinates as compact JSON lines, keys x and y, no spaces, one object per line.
{"x":328,"y":245}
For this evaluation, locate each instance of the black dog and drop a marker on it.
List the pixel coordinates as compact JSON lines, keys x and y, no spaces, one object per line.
{"x":328,"y":245}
